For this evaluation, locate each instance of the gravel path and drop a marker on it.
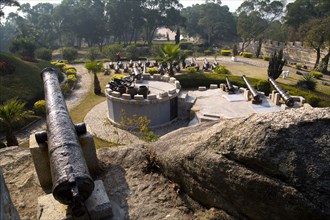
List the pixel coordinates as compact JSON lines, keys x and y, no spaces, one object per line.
{"x":77,"y":96}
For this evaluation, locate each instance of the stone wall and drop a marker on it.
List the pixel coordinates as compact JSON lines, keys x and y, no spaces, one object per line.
{"x":295,"y":52}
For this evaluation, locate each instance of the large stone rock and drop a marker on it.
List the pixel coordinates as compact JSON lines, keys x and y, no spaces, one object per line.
{"x":266,"y":166}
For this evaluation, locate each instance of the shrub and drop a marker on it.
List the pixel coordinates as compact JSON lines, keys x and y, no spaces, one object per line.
{"x":266,"y":58}
{"x":71,"y":80}
{"x":69,"y":54}
{"x":43,"y":53}
{"x":39,"y":107}
{"x":186,"y":46}
{"x":2,"y":145}
{"x":152,"y":70}
{"x":67,"y":67}
{"x":317,"y":75}
{"x":29,"y":59}
{"x":188,"y":52}
{"x":220,"y":69}
{"x":65,"y":88}
{"x":207,"y":52}
{"x":93,"y":54}
{"x":313,"y":100}
{"x":23,"y":47}
{"x":191,"y":69}
{"x":117,"y":76}
{"x":6,"y":68}
{"x":308,"y":82}
{"x":247,"y":54}
{"x":298,"y":66}
{"x":264,"y":86}
{"x":60,"y":65}
{"x":70,"y":72}
{"x":111,"y":51}
{"x":235,"y":51}
{"x":225,"y":52}
{"x":132,"y":52}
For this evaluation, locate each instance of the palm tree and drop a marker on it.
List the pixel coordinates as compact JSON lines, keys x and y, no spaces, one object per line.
{"x":170,"y":53}
{"x":11,"y":113}
{"x":95,"y":67}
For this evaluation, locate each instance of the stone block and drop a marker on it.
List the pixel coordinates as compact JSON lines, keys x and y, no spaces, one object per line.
{"x":146,"y":76}
{"x":126,"y":96}
{"x":98,"y":206}
{"x":177,"y":84}
{"x":172,"y":80}
{"x":88,"y":148}
{"x":165,"y":78}
{"x":172,"y":91}
{"x":163,"y":94}
{"x":223,"y":87}
{"x":152,"y":96}
{"x":115,"y":94}
{"x":213,"y":86}
{"x":138,"y":97}
{"x":277,"y":98}
{"x":202,"y":88}
{"x":157,"y":77}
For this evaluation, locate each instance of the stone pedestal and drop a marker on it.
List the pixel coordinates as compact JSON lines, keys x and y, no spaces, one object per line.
{"x":98,"y":206}
{"x":40,"y":158}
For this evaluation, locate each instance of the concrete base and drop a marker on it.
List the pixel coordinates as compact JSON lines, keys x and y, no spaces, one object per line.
{"x":98,"y":206}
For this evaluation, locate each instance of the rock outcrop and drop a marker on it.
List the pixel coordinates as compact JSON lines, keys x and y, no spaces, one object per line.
{"x":265,"y":166}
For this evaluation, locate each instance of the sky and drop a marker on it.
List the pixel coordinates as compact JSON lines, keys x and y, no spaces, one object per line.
{"x":232,"y":4}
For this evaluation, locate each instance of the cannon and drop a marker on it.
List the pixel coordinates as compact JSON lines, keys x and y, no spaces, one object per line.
{"x":117,"y":70}
{"x":230,"y":87}
{"x":71,"y":181}
{"x":214,"y":65}
{"x":206,"y":64}
{"x":288,"y":100}
{"x":254,"y":92}
{"x":111,"y":65}
{"x":147,"y":63}
{"x":131,"y":63}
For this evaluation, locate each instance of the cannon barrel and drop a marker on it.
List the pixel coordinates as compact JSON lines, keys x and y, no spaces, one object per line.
{"x":286,"y":97}
{"x":230,"y":86}
{"x":72,"y":183}
{"x":255,"y":94}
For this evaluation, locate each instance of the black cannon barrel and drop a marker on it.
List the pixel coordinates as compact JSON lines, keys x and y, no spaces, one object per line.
{"x":255,"y":94}
{"x":286,"y":97}
{"x":230,"y":86}
{"x":70,"y":177}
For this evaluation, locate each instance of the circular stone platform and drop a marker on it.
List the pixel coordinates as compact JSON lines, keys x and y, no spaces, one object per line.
{"x":160,"y":106}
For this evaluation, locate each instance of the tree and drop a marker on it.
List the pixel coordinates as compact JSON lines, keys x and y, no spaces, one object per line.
{"x":11,"y":113}
{"x":275,"y":65}
{"x":95,"y":67}
{"x":23,"y":47}
{"x":177,"y":36}
{"x":5,"y":3}
{"x":170,"y":53}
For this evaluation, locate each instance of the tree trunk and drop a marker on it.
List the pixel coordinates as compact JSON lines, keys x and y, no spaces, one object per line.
{"x":318,"y":55}
{"x":323,"y":66}
{"x":10,"y":137}
{"x":259,"y":48}
{"x":171,"y":73}
{"x":97,"y":87}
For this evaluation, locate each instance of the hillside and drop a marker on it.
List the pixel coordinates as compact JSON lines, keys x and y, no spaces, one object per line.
{"x":25,"y":83}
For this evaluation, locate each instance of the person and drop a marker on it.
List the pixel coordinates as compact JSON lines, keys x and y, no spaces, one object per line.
{"x":118,"y":56}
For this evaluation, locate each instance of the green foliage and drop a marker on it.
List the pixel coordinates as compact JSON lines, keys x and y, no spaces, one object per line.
{"x":139,"y":126}
{"x":308,"y":82}
{"x":235,"y":51}
{"x":298,"y":66}
{"x":266,"y":58}
{"x":111,"y":51}
{"x":6,"y":68}
{"x":263,"y":86}
{"x":275,"y":65}
{"x":188,"y":52}
{"x":71,"y":80}
{"x":186,"y":46}
{"x":317,"y":75}
{"x":65,"y":88}
{"x":67,"y":67}
{"x":70,"y":72}
{"x":132,"y":52}
{"x":117,"y":76}
{"x":191,"y":69}
{"x":247,"y":54}
{"x":152,"y":70}
{"x":39,"y":107}
{"x":60,"y":65}
{"x":207,"y":52}
{"x":94,"y":66}
{"x":44,"y":53}
{"x":220,"y":69}
{"x":69,"y":54}
{"x":2,"y":145}
{"x":170,"y":53}
{"x":23,"y":47}
{"x":93,"y":54}
{"x":225,"y":52}
{"x":313,"y":99}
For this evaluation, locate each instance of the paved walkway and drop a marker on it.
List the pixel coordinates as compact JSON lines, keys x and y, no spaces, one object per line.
{"x":77,"y":96}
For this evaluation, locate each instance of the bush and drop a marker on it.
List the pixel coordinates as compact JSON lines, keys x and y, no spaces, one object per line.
{"x":111,"y":51}
{"x":220,"y":69}
{"x":191,"y":69}
{"x":207,"y":52}
{"x":186,"y":46}
{"x":39,"y":107}
{"x":225,"y":52}
{"x":65,"y":88}
{"x":70,"y":72}
{"x":266,"y":58}
{"x":23,"y":47}
{"x":152,"y":70}
{"x":235,"y":51}
{"x":132,"y":52}
{"x":6,"y":68}
{"x":67,"y":67}
{"x":247,"y":54}
{"x":93,"y":54}
{"x":317,"y":75}
{"x":264,"y":86}
{"x":188,"y":52}
{"x":308,"y":82}
{"x":313,"y":100}
{"x":60,"y":65}
{"x":298,"y":66}
{"x":44,"y":53}
{"x":71,"y":80}
{"x":69,"y":54}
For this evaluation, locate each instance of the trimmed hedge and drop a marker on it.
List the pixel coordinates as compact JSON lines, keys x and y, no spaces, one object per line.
{"x":317,"y":75}
{"x":207,"y":52}
{"x":220,"y":69}
{"x":247,"y":54}
{"x":225,"y":52}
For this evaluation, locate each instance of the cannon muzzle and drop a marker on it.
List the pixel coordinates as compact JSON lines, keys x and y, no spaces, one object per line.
{"x":255,"y":94}
{"x":230,"y":87}
{"x":285,"y":96}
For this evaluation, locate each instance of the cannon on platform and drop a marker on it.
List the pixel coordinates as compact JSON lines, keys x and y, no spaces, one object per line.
{"x":71,"y":181}
{"x":288,"y":100}
{"x":254,"y":92}
{"x":206,"y":64}
{"x":230,"y":87}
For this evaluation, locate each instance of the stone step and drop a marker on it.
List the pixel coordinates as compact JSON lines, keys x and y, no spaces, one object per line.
{"x":205,"y":119}
{"x":212,"y":116}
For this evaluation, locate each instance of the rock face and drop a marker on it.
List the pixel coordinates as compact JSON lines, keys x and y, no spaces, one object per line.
{"x":266,"y":166}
